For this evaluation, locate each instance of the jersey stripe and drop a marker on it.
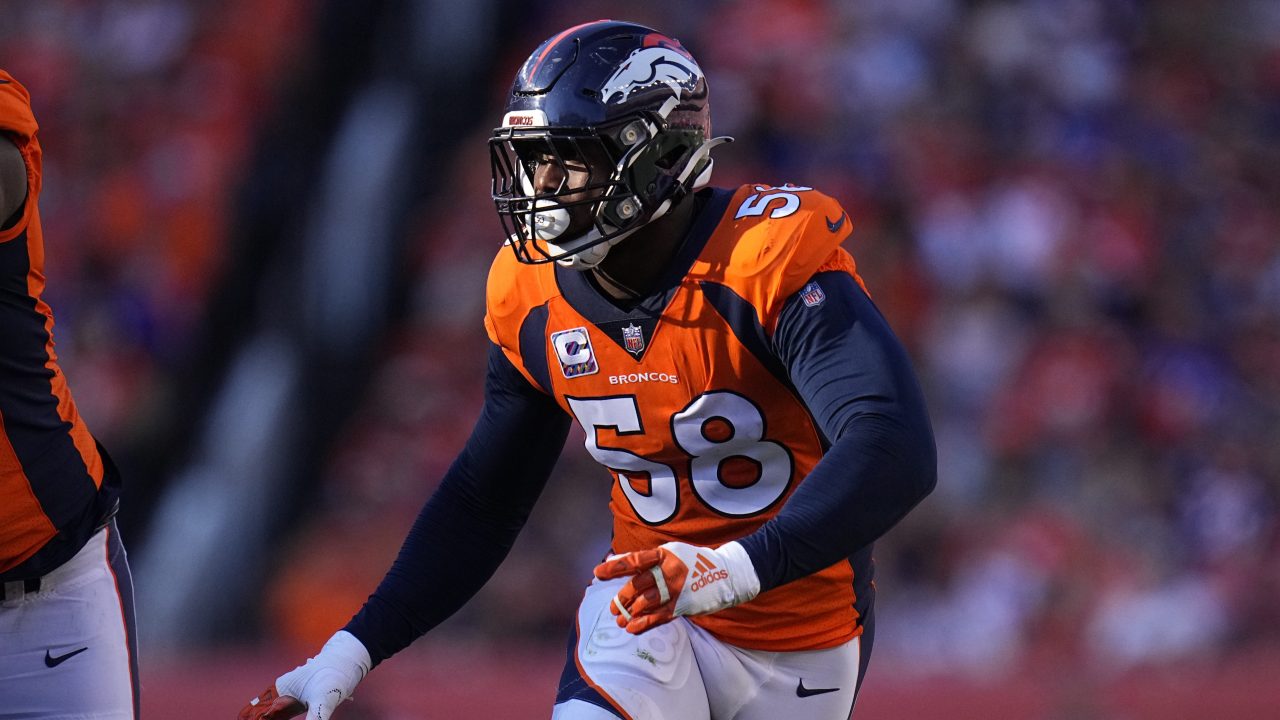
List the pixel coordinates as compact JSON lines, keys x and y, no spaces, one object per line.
{"x":533,"y":346}
{"x":745,"y":324}
{"x":48,"y":455}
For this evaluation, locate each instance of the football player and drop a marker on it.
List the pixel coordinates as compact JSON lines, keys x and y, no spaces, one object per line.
{"x":761,"y":425}
{"x":67,"y":644}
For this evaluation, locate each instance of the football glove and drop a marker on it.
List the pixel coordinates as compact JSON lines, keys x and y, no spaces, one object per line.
{"x":317,"y":687}
{"x":678,"y":579}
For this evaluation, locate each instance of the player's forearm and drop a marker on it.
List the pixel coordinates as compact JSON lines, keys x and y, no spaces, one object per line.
{"x":870,"y":479}
{"x":467,"y":527}
{"x":451,"y":552}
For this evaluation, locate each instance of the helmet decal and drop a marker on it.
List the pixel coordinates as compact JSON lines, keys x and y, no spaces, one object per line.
{"x":525,"y":118}
{"x":648,"y":66}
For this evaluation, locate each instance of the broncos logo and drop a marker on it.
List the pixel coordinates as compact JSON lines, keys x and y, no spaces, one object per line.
{"x":650,"y":66}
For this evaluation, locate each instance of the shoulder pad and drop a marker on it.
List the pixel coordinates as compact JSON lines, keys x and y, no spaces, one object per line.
{"x":511,"y":292}
{"x":771,"y":242}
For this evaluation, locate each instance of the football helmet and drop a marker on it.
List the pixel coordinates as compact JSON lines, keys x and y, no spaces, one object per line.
{"x":606,"y":128}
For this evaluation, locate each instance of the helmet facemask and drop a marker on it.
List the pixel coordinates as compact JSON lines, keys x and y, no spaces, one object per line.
{"x":636,"y":168}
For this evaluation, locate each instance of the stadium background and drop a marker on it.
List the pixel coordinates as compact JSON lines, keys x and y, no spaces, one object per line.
{"x":268,"y":227}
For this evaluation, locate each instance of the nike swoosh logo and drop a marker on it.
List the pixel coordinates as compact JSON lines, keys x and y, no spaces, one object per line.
{"x":835,"y":226}
{"x":56,"y":660}
{"x":802,"y":691}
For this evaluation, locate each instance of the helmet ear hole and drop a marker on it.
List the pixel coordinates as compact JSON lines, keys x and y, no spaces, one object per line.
{"x":633,"y":133}
{"x":627,"y":209}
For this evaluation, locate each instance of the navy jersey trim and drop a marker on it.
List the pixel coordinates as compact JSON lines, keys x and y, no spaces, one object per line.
{"x":41,"y":439}
{"x":533,"y":346}
{"x":745,"y":324}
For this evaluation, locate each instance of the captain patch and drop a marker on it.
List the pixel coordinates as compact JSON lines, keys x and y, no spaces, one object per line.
{"x":573,"y":350}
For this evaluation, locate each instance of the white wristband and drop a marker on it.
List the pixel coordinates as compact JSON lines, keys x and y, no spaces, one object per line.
{"x":742,"y":573}
{"x":348,"y":647}
{"x":333,"y":673}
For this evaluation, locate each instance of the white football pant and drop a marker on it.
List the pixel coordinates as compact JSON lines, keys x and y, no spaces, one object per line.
{"x":67,"y":650}
{"x":679,"y":671}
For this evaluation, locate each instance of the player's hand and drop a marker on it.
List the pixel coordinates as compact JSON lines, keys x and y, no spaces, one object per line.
{"x":678,"y":579}
{"x":318,"y":686}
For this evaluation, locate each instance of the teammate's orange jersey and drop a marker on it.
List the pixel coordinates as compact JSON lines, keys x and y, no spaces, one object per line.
{"x":682,"y":399}
{"x":51,"y":470}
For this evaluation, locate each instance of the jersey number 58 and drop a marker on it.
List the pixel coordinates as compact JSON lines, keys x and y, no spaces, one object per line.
{"x":739,"y":435}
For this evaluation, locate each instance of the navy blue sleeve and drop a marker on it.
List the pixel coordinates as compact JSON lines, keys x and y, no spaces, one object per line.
{"x":466,"y":528}
{"x":856,"y":379}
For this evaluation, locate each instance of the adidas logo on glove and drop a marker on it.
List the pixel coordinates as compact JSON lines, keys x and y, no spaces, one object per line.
{"x":705,"y":572}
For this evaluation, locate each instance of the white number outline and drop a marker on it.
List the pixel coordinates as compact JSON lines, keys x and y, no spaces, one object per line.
{"x":756,"y":204}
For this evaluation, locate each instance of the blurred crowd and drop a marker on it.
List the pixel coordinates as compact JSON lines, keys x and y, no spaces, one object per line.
{"x":1069,"y":210}
{"x":147,"y":110}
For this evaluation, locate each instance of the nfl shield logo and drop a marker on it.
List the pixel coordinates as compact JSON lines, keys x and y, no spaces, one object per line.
{"x":633,"y":339}
{"x":812,"y":294}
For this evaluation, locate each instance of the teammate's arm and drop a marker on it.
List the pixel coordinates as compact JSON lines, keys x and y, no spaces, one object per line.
{"x":460,"y":537}
{"x":13,"y":181}
{"x":856,"y":379}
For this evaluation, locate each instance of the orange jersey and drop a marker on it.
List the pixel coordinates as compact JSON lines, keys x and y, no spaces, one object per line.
{"x":682,"y":400}
{"x":51,"y":471}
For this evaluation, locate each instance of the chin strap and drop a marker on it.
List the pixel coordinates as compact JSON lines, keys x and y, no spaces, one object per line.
{"x":590,"y":257}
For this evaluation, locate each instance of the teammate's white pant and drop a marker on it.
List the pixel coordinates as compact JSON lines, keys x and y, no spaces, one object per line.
{"x":678,"y":671}
{"x":67,"y":651}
